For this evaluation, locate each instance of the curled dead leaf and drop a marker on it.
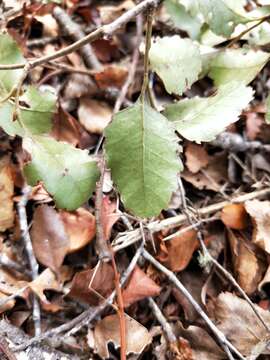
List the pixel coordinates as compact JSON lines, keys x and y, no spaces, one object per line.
{"x":248,"y":265}
{"x":91,"y":286}
{"x":178,"y":251}
{"x":49,"y":237}
{"x":234,"y":216}
{"x":80,"y":226}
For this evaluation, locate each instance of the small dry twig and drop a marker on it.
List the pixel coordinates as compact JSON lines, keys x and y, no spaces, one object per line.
{"x":30,"y":253}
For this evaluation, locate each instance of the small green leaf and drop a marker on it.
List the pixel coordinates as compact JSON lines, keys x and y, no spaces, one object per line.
{"x":34,"y":119}
{"x":223,"y":15}
{"x":202,"y":119}
{"x":68,"y":174}
{"x":241,"y":65}
{"x":141,"y":152}
{"x":267,"y":115}
{"x":9,"y":54}
{"x":182,"y":19}
{"x":176,"y":61}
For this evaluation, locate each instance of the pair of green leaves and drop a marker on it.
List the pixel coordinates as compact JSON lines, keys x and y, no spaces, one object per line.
{"x":68,"y":174}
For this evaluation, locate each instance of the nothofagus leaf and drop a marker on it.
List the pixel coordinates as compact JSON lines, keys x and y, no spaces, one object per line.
{"x":176,"y":61}
{"x":68,"y":174}
{"x":141,"y":152}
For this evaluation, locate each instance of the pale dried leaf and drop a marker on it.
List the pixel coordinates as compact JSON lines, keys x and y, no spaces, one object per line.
{"x":107,"y":330}
{"x":49,"y":237}
{"x":248,"y":267}
{"x":239,"y":324}
{"x":196,"y":157}
{"x":94,"y":115}
{"x":260,"y":215}
{"x":6,"y":194}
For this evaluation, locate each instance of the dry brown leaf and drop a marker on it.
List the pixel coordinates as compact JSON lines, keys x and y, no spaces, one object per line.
{"x":239,"y":324}
{"x":94,"y":115}
{"x":49,"y":237}
{"x":110,"y":13}
{"x":212,"y":177}
{"x":139,"y":287}
{"x":260,"y":215}
{"x":234,"y":216}
{"x":91,"y":286}
{"x":65,"y":127}
{"x":109,"y":216}
{"x":107,"y":330}
{"x":45,"y":281}
{"x":254,"y":122}
{"x":196,"y":157}
{"x":179,"y":250}
{"x":6,"y":194}
{"x":111,"y":77}
{"x":80,"y":226}
{"x":202,"y":344}
{"x":248,"y":267}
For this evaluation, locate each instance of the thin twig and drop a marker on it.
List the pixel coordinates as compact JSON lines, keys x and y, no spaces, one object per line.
{"x":130,"y":237}
{"x":75,"y":32}
{"x":30,"y":253}
{"x":208,"y":259}
{"x":219,"y":335}
{"x":104,"y":31}
{"x":133,"y":66}
{"x":102,"y":247}
{"x":150,"y":16}
{"x":88,"y":315}
{"x":120,"y":310}
{"x":244,"y":32}
{"x":162,"y":320}
{"x":11,"y":265}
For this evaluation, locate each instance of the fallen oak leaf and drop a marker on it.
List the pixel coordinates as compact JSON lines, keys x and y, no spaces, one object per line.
{"x":107,"y":330}
{"x":239,"y":324}
{"x":139,"y":287}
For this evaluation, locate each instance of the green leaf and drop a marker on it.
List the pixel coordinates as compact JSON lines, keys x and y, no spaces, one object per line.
{"x":141,"y":152}
{"x":240,"y":65}
{"x":9,"y":54}
{"x":176,"y":61}
{"x":267,"y":115}
{"x":182,"y":19}
{"x":68,"y":174}
{"x":223,"y":15}
{"x":202,"y":119}
{"x":34,"y":119}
